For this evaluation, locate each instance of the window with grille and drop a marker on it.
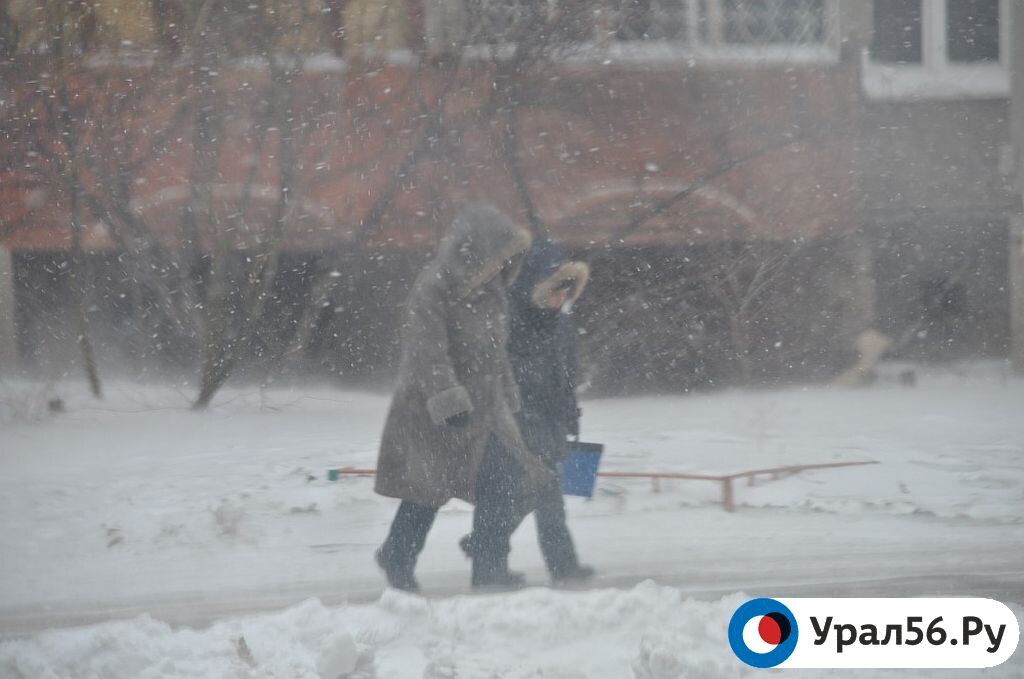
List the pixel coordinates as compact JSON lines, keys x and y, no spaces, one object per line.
{"x":687,"y":24}
{"x":773,"y":22}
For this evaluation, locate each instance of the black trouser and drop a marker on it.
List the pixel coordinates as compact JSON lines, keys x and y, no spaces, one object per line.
{"x":408,"y":534}
{"x":496,"y":513}
{"x":494,"y":519}
{"x":552,"y":530}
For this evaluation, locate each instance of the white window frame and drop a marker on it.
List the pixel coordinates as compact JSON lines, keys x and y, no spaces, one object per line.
{"x":936,"y":77}
{"x":694,"y":49}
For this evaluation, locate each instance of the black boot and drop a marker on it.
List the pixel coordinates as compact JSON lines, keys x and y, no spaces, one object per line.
{"x":494,"y":520}
{"x":490,"y":566}
{"x":400,"y":573}
{"x":397,"y":556}
{"x":574,"y":573}
{"x":488,"y":573}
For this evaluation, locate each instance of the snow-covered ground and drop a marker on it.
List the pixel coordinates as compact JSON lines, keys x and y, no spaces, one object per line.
{"x":135,"y":506}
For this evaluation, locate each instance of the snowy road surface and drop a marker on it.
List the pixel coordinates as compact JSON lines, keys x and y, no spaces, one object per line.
{"x":136,"y":505}
{"x":742,"y":557}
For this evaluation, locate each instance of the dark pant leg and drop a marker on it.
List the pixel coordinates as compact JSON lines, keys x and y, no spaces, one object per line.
{"x":495,"y":517}
{"x":553,"y":532}
{"x":408,"y":533}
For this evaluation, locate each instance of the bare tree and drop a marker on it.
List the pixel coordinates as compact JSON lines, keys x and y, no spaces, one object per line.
{"x":227,"y":96}
{"x":240,"y":287}
{"x":57,"y":134}
{"x":97,"y":132}
{"x":740,"y":276}
{"x":91,"y":128}
{"x":502,"y":44}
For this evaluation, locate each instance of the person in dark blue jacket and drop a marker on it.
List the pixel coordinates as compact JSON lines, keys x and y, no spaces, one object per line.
{"x":542,"y":351}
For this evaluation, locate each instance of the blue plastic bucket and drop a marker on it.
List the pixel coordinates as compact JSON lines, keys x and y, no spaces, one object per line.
{"x":579,"y":468}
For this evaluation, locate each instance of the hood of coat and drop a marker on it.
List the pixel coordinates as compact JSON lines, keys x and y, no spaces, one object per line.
{"x":481,"y":242}
{"x":545,"y":268}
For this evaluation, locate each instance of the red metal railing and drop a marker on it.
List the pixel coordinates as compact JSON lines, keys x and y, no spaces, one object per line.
{"x":726,"y":480}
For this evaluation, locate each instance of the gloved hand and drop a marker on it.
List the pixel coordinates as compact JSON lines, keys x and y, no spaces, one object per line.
{"x":458,"y":420}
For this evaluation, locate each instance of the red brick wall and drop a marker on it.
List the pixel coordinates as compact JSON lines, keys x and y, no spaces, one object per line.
{"x":598,"y":146}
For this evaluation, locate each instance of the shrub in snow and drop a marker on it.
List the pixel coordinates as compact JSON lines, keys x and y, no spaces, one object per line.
{"x":28,"y":401}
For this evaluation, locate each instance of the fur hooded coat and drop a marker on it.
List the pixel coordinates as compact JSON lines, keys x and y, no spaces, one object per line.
{"x":542,"y":349}
{"x":455,"y":360}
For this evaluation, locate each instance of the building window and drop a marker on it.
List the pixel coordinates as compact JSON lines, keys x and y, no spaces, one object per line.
{"x":972,"y":31}
{"x":938,"y":49}
{"x":774,"y":22}
{"x":496,"y":22}
{"x":631,"y":20}
{"x":897,"y":25}
{"x":712,"y":29}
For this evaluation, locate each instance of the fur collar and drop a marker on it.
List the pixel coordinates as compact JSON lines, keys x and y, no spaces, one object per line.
{"x":512,"y":251}
{"x":578,"y":272}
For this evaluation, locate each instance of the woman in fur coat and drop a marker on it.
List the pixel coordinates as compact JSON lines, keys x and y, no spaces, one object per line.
{"x":456,"y":397}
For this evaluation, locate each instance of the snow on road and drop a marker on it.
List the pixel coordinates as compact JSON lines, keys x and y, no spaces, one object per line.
{"x":136,"y":505}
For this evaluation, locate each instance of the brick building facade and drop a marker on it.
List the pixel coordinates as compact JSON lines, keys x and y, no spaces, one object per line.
{"x":665,"y":142}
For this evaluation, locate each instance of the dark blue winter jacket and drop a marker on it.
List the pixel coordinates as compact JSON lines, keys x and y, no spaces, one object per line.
{"x":542,"y":350}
